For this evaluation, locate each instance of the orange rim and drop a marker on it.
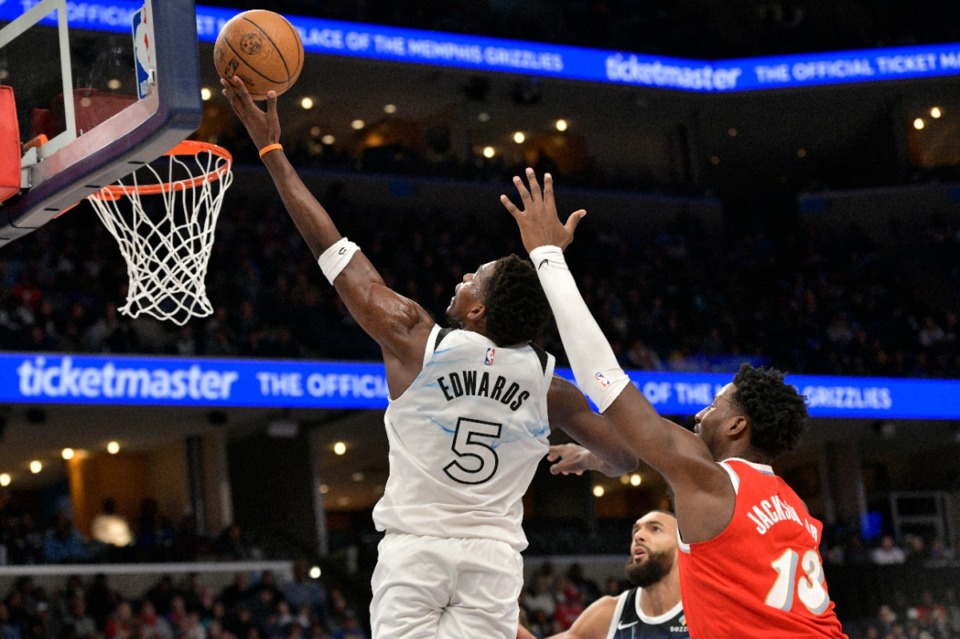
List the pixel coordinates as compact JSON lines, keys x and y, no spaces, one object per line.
{"x":187,"y":147}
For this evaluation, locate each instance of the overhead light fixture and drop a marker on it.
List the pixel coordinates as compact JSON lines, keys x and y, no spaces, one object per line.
{"x":935,"y":113}
{"x":36,"y":466}
{"x":113,"y":447}
{"x":339,"y":448}
{"x":489,"y":152}
{"x":561,"y":125}
{"x":918,"y":124}
{"x":67,"y":453}
{"x":5,"y":479}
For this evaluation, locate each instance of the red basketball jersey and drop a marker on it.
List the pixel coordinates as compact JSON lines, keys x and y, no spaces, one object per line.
{"x":762,"y":576}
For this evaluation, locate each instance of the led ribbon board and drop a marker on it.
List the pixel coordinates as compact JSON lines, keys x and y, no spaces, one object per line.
{"x":485,"y":54}
{"x":27,"y":378}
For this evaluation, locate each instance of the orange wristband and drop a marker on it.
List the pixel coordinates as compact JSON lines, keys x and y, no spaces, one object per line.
{"x":270,"y":147}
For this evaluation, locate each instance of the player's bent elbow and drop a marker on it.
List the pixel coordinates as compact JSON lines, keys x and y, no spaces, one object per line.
{"x":619,"y":462}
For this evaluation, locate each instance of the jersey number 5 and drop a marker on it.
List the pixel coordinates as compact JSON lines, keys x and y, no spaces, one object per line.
{"x":809,"y":585}
{"x":476,"y":459}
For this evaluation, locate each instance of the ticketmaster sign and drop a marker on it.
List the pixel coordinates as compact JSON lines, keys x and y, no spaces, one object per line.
{"x":75,"y":379}
{"x":482,"y":54}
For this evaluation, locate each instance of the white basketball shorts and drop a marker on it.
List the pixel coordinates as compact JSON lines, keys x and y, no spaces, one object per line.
{"x":430,"y":587}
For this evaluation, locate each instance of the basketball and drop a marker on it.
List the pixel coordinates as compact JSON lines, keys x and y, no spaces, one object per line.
{"x":263,"y":49}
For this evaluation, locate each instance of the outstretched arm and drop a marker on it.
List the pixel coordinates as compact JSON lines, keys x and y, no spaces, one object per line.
{"x":704,"y":495}
{"x":570,"y":412}
{"x":398,"y":324}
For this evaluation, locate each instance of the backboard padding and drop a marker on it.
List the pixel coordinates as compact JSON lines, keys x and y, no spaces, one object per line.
{"x":136,"y":134}
{"x":9,"y":145}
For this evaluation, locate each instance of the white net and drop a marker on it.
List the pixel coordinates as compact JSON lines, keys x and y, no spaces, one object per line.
{"x":164,"y":225}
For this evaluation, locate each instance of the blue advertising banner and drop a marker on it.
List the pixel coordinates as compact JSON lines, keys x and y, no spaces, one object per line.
{"x":79,"y":379}
{"x":358,"y":40}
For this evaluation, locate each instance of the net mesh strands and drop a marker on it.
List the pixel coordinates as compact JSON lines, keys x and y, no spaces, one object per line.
{"x":163,"y":217}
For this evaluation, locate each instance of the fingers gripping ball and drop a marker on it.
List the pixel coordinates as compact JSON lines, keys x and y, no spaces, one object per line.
{"x":263,"y":49}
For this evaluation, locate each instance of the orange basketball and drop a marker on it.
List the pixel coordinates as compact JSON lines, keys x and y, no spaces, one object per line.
{"x":263,"y":49}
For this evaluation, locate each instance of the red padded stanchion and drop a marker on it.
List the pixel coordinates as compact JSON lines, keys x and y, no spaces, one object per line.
{"x":9,"y":145}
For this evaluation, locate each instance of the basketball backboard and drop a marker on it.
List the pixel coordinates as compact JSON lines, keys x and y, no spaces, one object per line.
{"x":107,"y":103}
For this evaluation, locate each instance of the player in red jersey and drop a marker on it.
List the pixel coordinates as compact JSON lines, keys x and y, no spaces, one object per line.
{"x":749,"y":561}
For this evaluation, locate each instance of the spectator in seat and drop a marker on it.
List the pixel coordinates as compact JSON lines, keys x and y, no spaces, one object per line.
{"x":888,"y":553}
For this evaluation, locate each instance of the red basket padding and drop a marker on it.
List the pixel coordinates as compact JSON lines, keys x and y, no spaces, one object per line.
{"x":9,"y":145}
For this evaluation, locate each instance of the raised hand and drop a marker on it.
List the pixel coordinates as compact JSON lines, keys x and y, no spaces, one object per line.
{"x":538,"y":220}
{"x":263,"y":126}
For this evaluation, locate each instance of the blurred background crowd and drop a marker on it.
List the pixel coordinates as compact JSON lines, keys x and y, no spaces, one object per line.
{"x":251,"y":606}
{"x":260,"y":605}
{"x":775,"y":287}
{"x":807,"y":298}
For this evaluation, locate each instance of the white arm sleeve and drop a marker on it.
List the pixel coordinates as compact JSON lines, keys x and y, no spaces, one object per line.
{"x":594,"y":365}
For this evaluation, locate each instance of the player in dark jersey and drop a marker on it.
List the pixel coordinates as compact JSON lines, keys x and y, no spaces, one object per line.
{"x":750,"y":566}
{"x":652,"y":608}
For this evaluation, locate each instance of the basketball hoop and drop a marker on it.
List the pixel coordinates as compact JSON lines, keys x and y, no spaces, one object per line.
{"x":166,"y":241}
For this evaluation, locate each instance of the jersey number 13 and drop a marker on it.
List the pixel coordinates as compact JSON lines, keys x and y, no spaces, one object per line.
{"x":807,"y":586}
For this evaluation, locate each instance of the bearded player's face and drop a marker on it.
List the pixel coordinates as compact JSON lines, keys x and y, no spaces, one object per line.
{"x":653,"y":549}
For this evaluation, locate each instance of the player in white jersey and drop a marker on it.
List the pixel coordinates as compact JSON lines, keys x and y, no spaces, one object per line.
{"x":468,"y":421}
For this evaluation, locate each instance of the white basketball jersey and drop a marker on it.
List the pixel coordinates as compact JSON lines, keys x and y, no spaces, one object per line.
{"x":465,"y":439}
